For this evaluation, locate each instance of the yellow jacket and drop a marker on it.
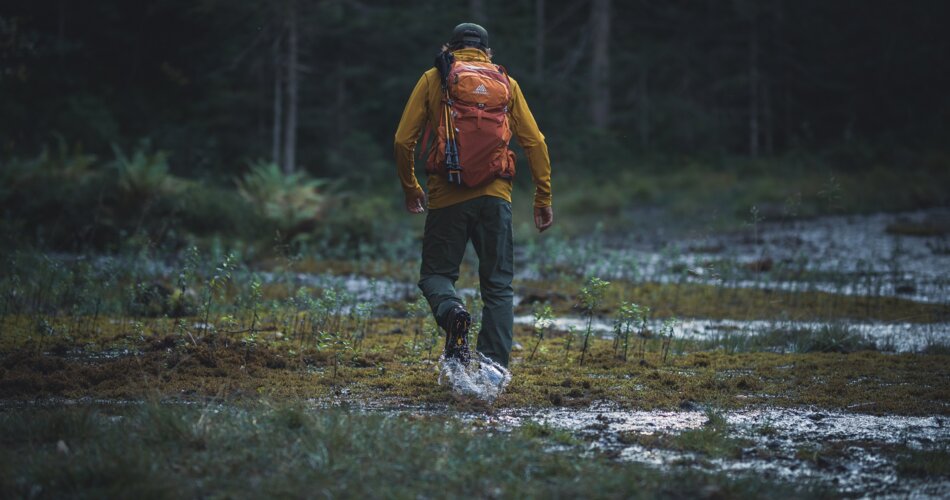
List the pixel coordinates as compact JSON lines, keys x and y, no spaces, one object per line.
{"x":425,"y":104}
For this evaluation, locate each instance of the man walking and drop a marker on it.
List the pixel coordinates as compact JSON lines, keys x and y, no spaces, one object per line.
{"x":474,"y":108}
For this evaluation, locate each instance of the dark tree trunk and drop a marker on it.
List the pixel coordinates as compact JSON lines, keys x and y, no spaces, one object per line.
{"x":600,"y":64}
{"x":61,"y":31}
{"x":753,"y":90}
{"x":777,"y":131}
{"x":341,"y":102}
{"x":290,"y":128}
{"x":539,"y":27}
{"x":767,"y":120}
{"x":278,"y":103}
{"x":643,"y":110}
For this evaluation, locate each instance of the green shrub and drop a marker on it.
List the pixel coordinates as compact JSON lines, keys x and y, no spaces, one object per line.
{"x":205,"y":210}
{"x":144,"y":175}
{"x":292,"y":201}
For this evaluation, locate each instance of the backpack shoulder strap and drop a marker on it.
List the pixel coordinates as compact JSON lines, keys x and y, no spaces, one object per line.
{"x":504,"y":71}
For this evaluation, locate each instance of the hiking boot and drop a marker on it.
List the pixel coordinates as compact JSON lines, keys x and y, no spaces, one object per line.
{"x":456,"y":339}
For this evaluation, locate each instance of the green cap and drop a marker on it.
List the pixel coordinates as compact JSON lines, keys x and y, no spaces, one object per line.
{"x":469,"y":35}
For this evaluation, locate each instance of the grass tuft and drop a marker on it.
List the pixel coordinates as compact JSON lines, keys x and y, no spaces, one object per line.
{"x":925,"y":463}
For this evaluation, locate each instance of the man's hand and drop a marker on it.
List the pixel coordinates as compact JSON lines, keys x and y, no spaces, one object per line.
{"x":543,"y":218}
{"x":416,"y":202}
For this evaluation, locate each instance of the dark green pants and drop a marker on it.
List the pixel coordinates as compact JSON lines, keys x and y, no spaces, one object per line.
{"x":486,"y":222}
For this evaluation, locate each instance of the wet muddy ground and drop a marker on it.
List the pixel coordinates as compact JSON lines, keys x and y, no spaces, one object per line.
{"x":904,"y":255}
{"x":887,"y":337}
{"x":851,"y":453}
{"x":856,"y":421}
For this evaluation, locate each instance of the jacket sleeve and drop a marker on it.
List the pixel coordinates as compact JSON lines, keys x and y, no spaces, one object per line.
{"x":525,"y":129}
{"x":410,"y":125}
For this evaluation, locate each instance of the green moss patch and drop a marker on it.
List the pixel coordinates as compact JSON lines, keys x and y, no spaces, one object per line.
{"x":693,"y":300}
{"x":394,"y":364}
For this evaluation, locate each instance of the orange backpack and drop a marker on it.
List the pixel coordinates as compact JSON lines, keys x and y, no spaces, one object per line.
{"x":476,"y":99}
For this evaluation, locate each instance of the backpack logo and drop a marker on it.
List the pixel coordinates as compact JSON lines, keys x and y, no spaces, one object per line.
{"x":481,"y":90}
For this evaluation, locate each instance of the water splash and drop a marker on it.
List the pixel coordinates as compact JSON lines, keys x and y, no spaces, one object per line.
{"x":481,"y":378}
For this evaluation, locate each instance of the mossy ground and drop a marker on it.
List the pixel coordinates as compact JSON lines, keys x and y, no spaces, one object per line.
{"x":395,"y":365}
{"x":694,"y":300}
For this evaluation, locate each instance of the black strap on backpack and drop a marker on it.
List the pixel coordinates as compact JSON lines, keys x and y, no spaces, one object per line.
{"x":443,"y":63}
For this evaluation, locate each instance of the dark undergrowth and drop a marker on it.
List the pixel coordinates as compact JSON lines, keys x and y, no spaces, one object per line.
{"x":64,"y":199}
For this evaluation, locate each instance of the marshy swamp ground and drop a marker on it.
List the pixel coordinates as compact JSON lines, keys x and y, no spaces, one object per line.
{"x":807,"y":358}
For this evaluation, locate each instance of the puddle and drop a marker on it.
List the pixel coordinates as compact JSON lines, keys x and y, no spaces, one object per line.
{"x":854,"y":255}
{"x":890,"y":337}
{"x":359,"y":288}
{"x":851,"y":255}
{"x":778,"y":435}
{"x":777,"y":441}
{"x":17,"y":404}
{"x":93,"y":355}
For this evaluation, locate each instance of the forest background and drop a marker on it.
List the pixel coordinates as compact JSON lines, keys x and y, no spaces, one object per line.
{"x":272,"y":121}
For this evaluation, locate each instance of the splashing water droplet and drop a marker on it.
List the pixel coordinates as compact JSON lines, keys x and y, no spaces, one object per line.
{"x":482,"y":378}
